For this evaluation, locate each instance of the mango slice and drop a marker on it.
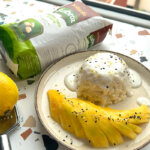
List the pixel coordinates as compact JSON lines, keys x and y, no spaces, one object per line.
{"x":102,"y":126}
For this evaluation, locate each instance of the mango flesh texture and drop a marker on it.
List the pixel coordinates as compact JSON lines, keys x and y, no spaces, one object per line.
{"x":100,"y":125}
{"x":62,"y":113}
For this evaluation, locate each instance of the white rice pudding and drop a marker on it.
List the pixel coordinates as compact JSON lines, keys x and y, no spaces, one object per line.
{"x":104,"y":79}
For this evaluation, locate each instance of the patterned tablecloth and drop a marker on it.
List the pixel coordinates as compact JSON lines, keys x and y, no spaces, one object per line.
{"x":127,"y":39}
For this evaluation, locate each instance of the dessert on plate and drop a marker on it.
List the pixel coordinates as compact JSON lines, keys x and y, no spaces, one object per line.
{"x":104,"y":79}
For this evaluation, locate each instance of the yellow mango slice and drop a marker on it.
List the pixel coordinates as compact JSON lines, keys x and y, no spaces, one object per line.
{"x":100,"y":125}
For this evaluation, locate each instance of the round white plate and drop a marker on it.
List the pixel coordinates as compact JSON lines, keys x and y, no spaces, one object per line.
{"x":53,"y":78}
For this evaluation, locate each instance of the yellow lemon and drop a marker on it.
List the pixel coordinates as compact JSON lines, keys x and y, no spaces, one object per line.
{"x":8,"y":94}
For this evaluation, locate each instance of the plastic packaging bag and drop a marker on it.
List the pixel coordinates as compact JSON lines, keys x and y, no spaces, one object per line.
{"x":29,"y":46}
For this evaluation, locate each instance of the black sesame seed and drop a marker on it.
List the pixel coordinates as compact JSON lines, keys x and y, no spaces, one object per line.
{"x":135,"y":112}
{"x":108,"y":118}
{"x":126,"y":123}
{"x":107,"y":86}
{"x":114,"y":144}
{"x":66,"y":136}
{"x":64,"y":140}
{"x":116,"y":69}
{"x":85,"y":120}
{"x":89,"y":141}
{"x":119,"y":114}
{"x":95,"y":121}
{"x":69,"y":126}
{"x":139,"y":117}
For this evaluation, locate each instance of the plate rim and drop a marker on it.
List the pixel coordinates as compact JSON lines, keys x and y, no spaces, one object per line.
{"x":57,"y":61}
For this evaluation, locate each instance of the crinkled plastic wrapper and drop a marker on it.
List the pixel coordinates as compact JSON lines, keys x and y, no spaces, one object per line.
{"x":31,"y":45}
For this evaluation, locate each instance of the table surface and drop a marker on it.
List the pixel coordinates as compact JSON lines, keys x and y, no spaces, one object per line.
{"x":126,"y":39}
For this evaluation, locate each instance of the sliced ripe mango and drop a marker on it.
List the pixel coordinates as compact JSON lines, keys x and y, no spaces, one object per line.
{"x":69,"y":109}
{"x":124,"y":129}
{"x":95,"y":135}
{"x":100,"y":125}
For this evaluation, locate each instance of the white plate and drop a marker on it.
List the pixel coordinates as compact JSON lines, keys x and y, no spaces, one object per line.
{"x":53,"y":78}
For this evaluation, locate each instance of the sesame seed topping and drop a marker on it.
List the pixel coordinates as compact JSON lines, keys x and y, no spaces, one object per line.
{"x":107,"y":86}
{"x":139,"y":117}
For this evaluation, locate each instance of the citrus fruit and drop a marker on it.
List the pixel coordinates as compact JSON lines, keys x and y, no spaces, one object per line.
{"x":8,"y":94}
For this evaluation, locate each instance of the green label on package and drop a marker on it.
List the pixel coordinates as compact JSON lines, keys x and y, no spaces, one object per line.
{"x":68,"y":15}
{"x":27,"y":29}
{"x":91,"y":39}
